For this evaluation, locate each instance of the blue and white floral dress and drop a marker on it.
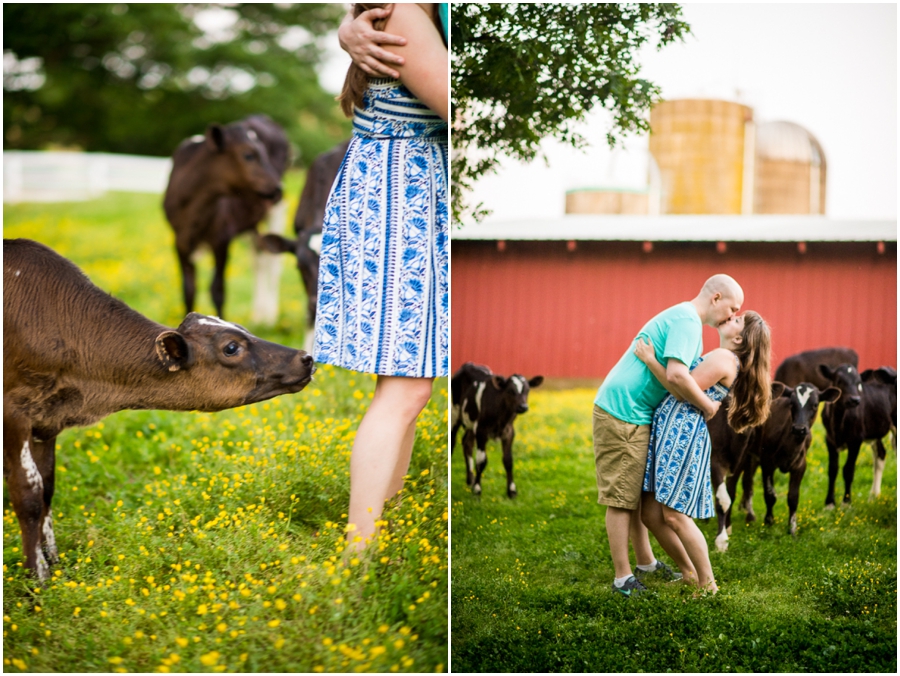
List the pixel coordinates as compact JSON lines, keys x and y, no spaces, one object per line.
{"x":383,"y":303}
{"x":678,"y":458}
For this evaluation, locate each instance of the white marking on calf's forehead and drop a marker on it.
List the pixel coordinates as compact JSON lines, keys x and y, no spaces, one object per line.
{"x":803,"y":394}
{"x":215,"y":321}
{"x":859,"y":387}
{"x":519,"y":382}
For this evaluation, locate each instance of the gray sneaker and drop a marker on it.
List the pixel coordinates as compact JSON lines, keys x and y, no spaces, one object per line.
{"x":632,"y":587}
{"x":661,"y":572}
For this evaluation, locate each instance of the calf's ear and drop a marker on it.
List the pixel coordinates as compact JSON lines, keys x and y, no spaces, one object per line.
{"x":885,"y":375}
{"x":215,"y":137}
{"x":173,"y":350}
{"x":777,"y":389}
{"x":276,"y":244}
{"x":785,"y":391}
{"x":826,"y":371}
{"x":537,"y":380}
{"x":499,"y":382}
{"x":830,"y":395}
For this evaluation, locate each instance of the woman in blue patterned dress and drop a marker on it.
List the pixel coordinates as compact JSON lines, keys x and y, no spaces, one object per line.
{"x":677,"y":486}
{"x":383,"y":268}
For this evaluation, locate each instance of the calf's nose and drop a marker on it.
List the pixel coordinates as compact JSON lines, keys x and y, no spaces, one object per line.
{"x":853,"y":401}
{"x":522,"y":408}
{"x":800,"y":430}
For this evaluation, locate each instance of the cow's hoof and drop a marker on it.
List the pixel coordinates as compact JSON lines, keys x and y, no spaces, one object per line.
{"x":751,"y":517}
{"x":476,"y":489}
{"x":829,"y":506}
{"x":511,"y":494}
{"x":722,"y":544}
{"x":845,"y":504}
{"x":770,"y":520}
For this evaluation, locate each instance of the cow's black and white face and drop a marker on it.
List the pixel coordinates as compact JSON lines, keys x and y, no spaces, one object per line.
{"x":515,"y":390}
{"x":847,"y":379}
{"x":805,"y":400}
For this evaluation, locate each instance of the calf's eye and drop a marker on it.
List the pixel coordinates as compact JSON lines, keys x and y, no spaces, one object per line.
{"x":231,"y":349}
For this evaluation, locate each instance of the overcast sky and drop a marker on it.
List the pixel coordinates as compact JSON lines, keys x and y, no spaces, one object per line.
{"x":831,"y":68}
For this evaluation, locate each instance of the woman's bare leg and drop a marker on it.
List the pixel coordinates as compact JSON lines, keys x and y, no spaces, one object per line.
{"x":652,"y":517}
{"x":381,"y":449}
{"x":694,"y":543}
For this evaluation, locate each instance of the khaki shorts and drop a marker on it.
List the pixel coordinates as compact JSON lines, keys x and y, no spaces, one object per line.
{"x":620,"y":455}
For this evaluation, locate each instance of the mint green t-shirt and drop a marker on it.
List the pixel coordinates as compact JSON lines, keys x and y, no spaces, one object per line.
{"x":631,"y":391}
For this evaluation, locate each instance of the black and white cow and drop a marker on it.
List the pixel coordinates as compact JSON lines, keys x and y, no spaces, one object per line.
{"x":866,"y":411}
{"x":728,"y":458}
{"x":783,"y":441}
{"x":486,"y":405}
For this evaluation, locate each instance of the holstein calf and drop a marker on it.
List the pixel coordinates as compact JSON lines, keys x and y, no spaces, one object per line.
{"x":782,"y":443}
{"x":486,"y":405}
{"x":222,"y":184}
{"x":866,"y":411}
{"x":73,"y":354}
{"x":308,"y":224}
{"x":728,"y":458}
{"x":804,"y":367}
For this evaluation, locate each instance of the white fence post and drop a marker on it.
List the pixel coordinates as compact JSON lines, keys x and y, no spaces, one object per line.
{"x":268,"y":272}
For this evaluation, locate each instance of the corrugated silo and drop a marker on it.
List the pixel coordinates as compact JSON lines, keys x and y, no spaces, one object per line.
{"x":699,"y":145}
{"x":790,"y":170}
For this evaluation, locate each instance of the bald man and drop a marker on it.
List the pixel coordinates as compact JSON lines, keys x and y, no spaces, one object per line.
{"x":623,"y":412}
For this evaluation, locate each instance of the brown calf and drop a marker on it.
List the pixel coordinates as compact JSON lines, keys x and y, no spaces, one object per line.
{"x":222,"y":185}
{"x":308,"y":223}
{"x":73,"y":354}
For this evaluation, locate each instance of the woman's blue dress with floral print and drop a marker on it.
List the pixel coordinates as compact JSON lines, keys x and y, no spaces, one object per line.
{"x":383,"y":268}
{"x":678,"y":459}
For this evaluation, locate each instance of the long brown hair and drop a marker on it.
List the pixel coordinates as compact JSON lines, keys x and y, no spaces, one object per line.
{"x":751,"y":392}
{"x":356,"y":81}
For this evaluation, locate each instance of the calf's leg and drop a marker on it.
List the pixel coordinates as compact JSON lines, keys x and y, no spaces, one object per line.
{"x":508,"y":437}
{"x":468,"y":443}
{"x":833,"y":465}
{"x":794,"y":497}
{"x":480,"y":461}
{"x":747,"y":487}
{"x":26,"y":491}
{"x":850,"y":468}
{"x":45,"y":459}
{"x":768,"y":474}
{"x":878,"y":457}
{"x":217,"y":290}
{"x":188,"y":278}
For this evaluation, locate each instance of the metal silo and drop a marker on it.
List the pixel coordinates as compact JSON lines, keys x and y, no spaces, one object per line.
{"x":790,"y":171}
{"x":699,"y":145}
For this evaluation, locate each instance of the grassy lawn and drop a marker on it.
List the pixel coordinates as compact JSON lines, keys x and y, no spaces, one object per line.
{"x":531,"y":577}
{"x":214,"y":542}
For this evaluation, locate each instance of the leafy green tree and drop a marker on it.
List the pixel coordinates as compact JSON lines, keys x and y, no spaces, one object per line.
{"x":524,"y":72}
{"x":139,"y":78}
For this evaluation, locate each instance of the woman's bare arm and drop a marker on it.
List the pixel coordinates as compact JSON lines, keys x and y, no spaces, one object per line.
{"x":424,"y":71}
{"x":717,"y":366}
{"x":363,"y":43}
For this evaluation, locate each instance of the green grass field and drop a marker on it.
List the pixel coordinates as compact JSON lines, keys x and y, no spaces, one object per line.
{"x":214,"y":542}
{"x":531,"y":577}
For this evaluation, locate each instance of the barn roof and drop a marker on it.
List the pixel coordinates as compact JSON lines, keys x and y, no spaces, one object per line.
{"x":684,"y":228}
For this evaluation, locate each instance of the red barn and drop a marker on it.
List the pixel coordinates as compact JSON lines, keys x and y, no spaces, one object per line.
{"x":564,"y":298}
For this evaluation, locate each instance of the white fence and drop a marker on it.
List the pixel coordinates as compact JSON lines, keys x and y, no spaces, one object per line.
{"x":37,"y":176}
{"x":30,"y":176}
